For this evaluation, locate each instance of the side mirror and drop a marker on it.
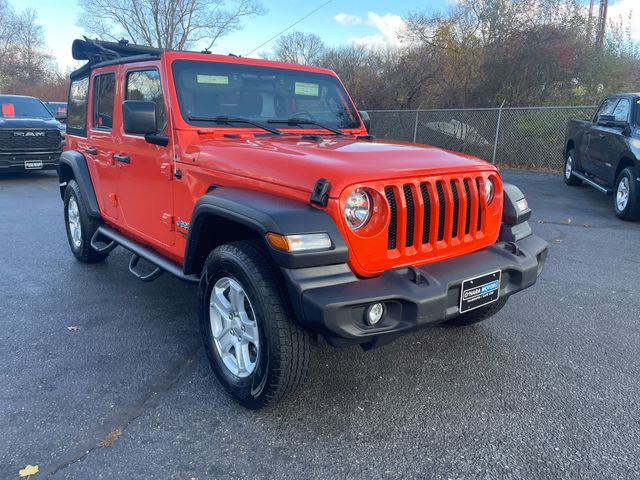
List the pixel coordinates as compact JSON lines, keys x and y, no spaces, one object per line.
{"x":365,"y":119}
{"x":139,"y":117}
{"x":60,"y":116}
{"x":610,"y":121}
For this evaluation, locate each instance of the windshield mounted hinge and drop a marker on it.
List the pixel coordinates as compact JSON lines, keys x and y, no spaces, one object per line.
{"x":320,"y":194}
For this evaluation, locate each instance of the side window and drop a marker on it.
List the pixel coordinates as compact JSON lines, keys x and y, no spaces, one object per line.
{"x":607,"y":108}
{"x":104,"y":88}
{"x":622,"y":110}
{"x":77,"y":109}
{"x":145,"y":85}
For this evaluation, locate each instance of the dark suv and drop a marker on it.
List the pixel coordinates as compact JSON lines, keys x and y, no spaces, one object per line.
{"x":30,"y":138}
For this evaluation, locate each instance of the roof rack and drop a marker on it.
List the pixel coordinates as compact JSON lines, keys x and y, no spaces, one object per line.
{"x":96,"y":51}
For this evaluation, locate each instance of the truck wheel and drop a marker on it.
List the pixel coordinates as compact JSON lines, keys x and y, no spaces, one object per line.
{"x":80,"y":226}
{"x":477,"y":315}
{"x":625,"y":196}
{"x":569,"y":166}
{"x":257,"y":352}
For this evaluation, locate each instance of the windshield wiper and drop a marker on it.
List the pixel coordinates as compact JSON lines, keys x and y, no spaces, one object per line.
{"x":305,"y":121}
{"x":232,"y":120}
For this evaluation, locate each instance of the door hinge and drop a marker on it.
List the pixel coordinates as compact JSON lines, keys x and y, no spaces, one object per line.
{"x":166,"y":170}
{"x":167,"y":220}
{"x":113,"y":198}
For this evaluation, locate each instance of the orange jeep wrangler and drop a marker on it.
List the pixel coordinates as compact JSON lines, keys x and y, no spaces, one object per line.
{"x":258,"y":181}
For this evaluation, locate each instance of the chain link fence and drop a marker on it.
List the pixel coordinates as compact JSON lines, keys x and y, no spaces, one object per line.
{"x":522,"y":137}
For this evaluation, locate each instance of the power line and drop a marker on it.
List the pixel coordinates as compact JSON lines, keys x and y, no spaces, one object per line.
{"x":289,"y":27}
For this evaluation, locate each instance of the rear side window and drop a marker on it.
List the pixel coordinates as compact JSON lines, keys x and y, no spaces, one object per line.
{"x":104,"y":88}
{"x":622,"y":110}
{"x":145,"y":85}
{"x":77,"y":107}
{"x":607,"y":108}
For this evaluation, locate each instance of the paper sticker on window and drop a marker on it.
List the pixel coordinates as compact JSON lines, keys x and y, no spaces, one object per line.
{"x":309,"y":89}
{"x":8,"y":110}
{"x":213,"y":79}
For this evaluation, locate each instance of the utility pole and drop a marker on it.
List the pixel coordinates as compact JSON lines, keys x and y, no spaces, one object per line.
{"x":602,"y":23}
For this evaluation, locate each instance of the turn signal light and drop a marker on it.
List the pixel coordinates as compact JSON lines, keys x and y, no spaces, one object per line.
{"x":299,"y":243}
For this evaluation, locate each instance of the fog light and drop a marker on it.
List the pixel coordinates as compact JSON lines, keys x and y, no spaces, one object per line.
{"x":375,"y":313}
{"x":522,"y":204}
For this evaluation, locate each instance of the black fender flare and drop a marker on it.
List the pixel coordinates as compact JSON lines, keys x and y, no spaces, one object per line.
{"x":263,"y":213}
{"x":77,"y":163}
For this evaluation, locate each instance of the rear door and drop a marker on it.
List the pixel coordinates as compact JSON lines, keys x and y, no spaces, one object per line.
{"x":145,"y":186}
{"x":607,"y":143}
{"x":100,"y":141}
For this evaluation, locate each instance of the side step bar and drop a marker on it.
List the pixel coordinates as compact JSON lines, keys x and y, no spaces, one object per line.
{"x":140,"y":251}
{"x":592,"y":183}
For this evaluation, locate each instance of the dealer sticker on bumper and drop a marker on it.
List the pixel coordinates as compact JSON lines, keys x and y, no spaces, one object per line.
{"x":33,"y":164}
{"x":480,"y":291}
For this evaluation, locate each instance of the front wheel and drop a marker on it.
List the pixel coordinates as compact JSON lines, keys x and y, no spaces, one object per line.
{"x":625,"y":198}
{"x":477,"y":315}
{"x":569,"y":166}
{"x":256,"y":350}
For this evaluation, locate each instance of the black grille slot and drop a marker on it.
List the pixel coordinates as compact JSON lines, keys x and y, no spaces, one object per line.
{"x":393,"y":220}
{"x":26,"y":139}
{"x":456,"y":209}
{"x":427,"y":213}
{"x":467,"y":193}
{"x":479,"y":204}
{"x":442,"y":212}
{"x":411,"y":221}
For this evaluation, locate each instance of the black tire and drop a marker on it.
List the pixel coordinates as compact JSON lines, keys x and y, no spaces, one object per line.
{"x":282,"y":361}
{"x":569,"y":167}
{"x":82,"y":249}
{"x":631,"y":210}
{"x":477,"y":315}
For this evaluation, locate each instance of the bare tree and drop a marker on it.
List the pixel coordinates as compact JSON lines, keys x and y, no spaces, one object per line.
{"x":299,"y":47}
{"x":170,"y":24}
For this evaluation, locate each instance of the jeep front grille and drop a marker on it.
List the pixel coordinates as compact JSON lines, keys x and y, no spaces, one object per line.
{"x":449,"y":210}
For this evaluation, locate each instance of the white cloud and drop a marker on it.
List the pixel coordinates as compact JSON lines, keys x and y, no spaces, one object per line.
{"x":389,"y":26}
{"x":621,"y":10}
{"x":347,"y":19}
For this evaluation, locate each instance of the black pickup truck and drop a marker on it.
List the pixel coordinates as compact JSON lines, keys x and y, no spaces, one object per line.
{"x":604,"y":152}
{"x":30,"y":138}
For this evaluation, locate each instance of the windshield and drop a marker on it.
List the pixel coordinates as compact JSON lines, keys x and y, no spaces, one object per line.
{"x":211,"y":89}
{"x":23,"y":107}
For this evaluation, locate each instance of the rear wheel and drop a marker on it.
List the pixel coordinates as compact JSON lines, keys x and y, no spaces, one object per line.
{"x":625,"y":197}
{"x":477,"y":315}
{"x":257,"y":352}
{"x":569,"y":166}
{"x":80,"y":226}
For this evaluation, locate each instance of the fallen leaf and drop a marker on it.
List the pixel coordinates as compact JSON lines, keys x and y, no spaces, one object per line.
{"x":73,"y":328}
{"x":542,"y":221}
{"x":29,"y":470}
{"x":568,"y":221}
{"x":110,"y":438}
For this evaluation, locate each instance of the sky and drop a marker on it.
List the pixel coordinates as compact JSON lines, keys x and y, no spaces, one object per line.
{"x":338,"y":23}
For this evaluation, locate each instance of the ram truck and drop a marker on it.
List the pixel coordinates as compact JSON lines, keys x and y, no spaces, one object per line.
{"x":30,"y":137}
{"x":604,"y":152}
{"x":258,"y":181}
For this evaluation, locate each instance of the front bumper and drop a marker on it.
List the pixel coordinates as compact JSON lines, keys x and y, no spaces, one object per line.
{"x":15,"y":161}
{"x":335,"y":307}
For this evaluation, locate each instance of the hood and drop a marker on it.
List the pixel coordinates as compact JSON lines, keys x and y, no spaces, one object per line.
{"x":29,"y":123}
{"x":298,"y":163}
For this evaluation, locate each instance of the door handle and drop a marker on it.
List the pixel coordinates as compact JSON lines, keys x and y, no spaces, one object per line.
{"x":121,"y":158}
{"x":91,"y":150}
{"x":587,"y":133}
{"x":601,"y":136}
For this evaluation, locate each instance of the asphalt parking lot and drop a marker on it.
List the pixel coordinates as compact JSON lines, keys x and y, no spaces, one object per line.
{"x":549,"y":388}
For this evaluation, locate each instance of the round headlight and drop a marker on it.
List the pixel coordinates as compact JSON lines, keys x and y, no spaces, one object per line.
{"x":488,"y":191}
{"x":357,"y":209}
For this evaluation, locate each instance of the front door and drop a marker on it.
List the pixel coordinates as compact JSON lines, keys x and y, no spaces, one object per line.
{"x":145,"y":186}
